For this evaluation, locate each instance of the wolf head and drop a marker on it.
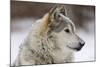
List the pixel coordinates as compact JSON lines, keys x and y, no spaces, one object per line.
{"x":62,"y":30}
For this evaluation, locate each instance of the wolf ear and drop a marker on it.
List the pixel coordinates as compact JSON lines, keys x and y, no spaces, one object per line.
{"x":55,"y":20}
{"x":58,"y":9}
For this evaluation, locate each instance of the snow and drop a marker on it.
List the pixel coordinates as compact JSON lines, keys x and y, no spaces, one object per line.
{"x":19,"y":31}
{"x":88,"y":51}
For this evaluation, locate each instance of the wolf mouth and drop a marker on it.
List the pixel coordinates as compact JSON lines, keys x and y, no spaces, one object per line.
{"x":76,"y":49}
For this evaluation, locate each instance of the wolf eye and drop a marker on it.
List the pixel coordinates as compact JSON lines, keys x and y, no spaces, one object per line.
{"x":67,"y":30}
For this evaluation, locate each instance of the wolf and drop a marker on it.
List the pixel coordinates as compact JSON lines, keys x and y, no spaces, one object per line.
{"x":52,"y":40}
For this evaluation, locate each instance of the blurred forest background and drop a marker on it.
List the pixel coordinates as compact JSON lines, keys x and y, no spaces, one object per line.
{"x":23,"y":14}
{"x":79,"y":14}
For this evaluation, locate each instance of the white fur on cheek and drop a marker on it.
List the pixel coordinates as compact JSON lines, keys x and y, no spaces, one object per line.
{"x":64,"y":54}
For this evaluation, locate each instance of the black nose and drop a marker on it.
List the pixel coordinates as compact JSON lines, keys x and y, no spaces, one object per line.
{"x":82,"y":43}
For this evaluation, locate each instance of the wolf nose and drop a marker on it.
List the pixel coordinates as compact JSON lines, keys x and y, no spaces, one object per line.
{"x":82,"y":43}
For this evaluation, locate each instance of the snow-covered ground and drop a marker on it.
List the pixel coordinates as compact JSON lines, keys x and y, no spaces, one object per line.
{"x":21,"y":27}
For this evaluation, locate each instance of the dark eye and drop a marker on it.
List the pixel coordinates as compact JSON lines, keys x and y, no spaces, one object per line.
{"x":67,"y":30}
